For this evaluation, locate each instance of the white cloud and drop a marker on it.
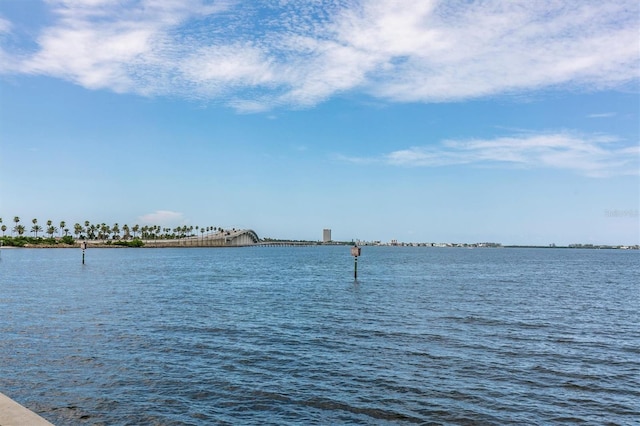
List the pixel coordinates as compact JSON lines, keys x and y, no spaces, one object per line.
{"x":5,"y":26}
{"x":259,"y":56}
{"x":490,"y":48}
{"x":162,"y":217}
{"x":7,"y":62}
{"x":602,"y":115}
{"x":594,"y":156}
{"x":219,"y":69}
{"x":72,"y":54}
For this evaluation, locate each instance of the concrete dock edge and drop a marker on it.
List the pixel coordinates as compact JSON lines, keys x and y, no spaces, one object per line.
{"x":14,"y":414}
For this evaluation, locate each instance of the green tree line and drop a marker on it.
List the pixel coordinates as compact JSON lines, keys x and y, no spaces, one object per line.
{"x":61,"y":232}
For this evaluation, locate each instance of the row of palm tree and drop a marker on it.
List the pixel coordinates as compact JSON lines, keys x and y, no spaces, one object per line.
{"x":102,"y":231}
{"x":51,"y":229}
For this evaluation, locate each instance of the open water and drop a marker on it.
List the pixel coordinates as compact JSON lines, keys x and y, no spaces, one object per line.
{"x":286,"y":336}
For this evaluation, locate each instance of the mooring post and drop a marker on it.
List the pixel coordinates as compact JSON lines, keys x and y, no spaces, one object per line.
{"x":355,"y":268}
{"x":355,"y":252}
{"x":83,"y":246}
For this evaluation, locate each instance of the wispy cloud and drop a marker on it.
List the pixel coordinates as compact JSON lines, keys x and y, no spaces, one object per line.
{"x":162,"y":217}
{"x":256,"y":57}
{"x":602,"y":115}
{"x":5,"y":26}
{"x":594,"y":156}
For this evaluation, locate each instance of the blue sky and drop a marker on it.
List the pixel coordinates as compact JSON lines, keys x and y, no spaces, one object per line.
{"x":421,"y":121}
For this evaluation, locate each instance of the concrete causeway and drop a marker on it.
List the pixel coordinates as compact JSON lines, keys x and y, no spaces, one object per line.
{"x":14,"y":414}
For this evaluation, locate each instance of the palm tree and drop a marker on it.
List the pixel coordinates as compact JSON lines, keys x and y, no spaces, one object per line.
{"x":51,"y":230}
{"x":62,"y":225}
{"x":36,"y":228}
{"x":92,"y":228}
{"x":105,"y":231}
{"x":16,"y":219}
{"x":49,"y":226}
{"x":135,"y":230}
{"x":19,"y":229}
{"x":4,"y":228}
{"x":202,"y":232}
{"x":125,"y":229}
{"x":77,"y":229}
{"x":115,"y":230}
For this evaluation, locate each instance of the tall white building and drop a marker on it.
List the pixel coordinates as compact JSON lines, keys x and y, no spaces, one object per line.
{"x":326,"y":235}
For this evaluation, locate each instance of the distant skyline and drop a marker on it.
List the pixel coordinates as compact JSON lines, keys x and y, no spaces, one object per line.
{"x":419,"y":121}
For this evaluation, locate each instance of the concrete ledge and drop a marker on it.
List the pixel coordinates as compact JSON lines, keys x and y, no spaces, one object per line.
{"x":14,"y":414}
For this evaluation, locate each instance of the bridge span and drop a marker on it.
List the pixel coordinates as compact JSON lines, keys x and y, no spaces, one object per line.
{"x":232,"y":238}
{"x":286,"y":244}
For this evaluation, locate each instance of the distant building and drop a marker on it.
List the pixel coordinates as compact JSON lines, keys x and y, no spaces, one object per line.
{"x":326,"y":235}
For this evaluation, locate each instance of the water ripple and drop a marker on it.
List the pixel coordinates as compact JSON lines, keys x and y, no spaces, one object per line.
{"x":284,"y":336}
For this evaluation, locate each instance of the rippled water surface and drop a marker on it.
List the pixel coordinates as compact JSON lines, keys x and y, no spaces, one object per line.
{"x":285,"y":336}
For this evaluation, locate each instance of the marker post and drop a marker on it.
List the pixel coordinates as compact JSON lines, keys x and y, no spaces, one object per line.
{"x":355,"y":252}
{"x":83,"y":246}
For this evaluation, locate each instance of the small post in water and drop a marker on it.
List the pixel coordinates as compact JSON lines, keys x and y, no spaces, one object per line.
{"x":83,"y":246}
{"x":355,"y":252}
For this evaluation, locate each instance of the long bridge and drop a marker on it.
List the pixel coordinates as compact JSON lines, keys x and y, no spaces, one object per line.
{"x":233,"y":238}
